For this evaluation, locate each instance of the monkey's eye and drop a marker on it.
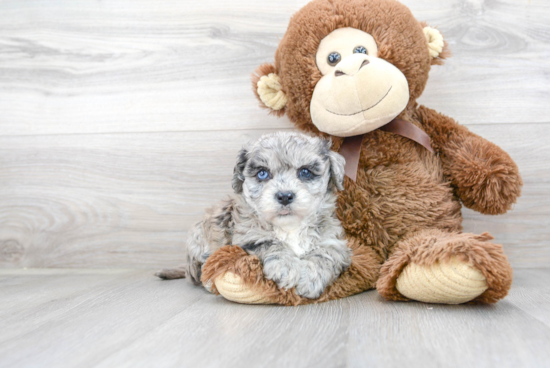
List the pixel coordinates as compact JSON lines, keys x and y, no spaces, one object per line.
{"x":360,"y":50}
{"x":334,"y":58}
{"x":304,"y":174}
{"x":262,"y":175}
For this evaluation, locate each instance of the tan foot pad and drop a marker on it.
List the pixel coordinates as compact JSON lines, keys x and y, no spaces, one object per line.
{"x":231,"y":287}
{"x":452,"y":282}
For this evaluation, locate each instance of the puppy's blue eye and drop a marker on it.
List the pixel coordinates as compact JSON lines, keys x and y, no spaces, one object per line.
{"x":304,"y":174}
{"x":360,"y":50}
{"x":262,"y":175}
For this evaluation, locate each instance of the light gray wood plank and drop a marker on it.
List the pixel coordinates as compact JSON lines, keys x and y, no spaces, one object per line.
{"x":106,"y":318}
{"x":232,"y":335}
{"x":500,"y":51}
{"x":391,"y":334}
{"x":33,"y":288}
{"x":106,"y":200}
{"x":127,"y":200}
{"x":531,"y":293}
{"x":78,"y":328}
{"x":136,"y":66}
{"x":131,"y":66}
{"x":122,"y":310}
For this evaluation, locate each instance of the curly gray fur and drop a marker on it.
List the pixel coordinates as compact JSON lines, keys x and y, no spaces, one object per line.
{"x":301,"y":244}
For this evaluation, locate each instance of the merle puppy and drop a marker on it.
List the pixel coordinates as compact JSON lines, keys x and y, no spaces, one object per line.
{"x":283,"y":211}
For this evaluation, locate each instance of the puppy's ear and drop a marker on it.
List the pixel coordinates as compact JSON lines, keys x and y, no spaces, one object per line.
{"x":238,"y":171}
{"x":267,"y":87}
{"x":337,"y":162}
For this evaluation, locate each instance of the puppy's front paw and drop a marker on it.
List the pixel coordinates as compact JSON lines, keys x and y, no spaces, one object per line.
{"x":310,"y":285}
{"x":314,"y":279}
{"x":284,"y":272}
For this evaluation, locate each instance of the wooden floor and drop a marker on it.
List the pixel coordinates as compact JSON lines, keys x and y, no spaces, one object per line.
{"x":120,"y":122}
{"x":127,"y":318}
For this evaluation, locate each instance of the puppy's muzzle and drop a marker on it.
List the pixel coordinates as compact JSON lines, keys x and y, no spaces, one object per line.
{"x":285,"y":198}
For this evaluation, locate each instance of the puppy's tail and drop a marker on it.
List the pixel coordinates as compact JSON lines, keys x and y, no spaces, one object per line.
{"x":172,"y":273}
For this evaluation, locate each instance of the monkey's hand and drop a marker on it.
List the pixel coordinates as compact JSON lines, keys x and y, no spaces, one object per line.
{"x":485,"y":178}
{"x":239,"y":277}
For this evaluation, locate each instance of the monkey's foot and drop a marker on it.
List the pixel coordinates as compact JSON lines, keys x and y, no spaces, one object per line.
{"x":233,"y":288}
{"x":435,"y":266}
{"x":451,"y":282}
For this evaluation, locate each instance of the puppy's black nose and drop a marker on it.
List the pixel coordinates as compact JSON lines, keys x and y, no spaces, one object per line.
{"x":284,"y":198}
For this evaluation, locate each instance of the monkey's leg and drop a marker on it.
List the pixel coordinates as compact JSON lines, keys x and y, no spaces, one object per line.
{"x":239,"y":277}
{"x":434,"y":266}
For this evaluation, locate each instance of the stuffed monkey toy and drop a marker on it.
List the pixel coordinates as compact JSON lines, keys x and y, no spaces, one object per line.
{"x":352,"y":70}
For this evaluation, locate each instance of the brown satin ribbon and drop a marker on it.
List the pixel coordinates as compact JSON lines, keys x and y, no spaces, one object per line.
{"x":351,"y":147}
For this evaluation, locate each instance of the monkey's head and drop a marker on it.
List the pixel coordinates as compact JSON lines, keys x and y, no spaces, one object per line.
{"x":347,"y":67}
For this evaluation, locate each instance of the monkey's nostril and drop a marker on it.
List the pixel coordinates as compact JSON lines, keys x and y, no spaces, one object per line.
{"x":364,"y":63}
{"x":284,"y":198}
{"x":339,"y":73}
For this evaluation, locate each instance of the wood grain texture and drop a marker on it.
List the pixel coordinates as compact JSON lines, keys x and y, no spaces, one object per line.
{"x":141,"y":66}
{"x":120,"y":120}
{"x":532,"y":294}
{"x":109,"y":200}
{"x":127,"y":200}
{"x":416,"y":334}
{"x":127,"y":318}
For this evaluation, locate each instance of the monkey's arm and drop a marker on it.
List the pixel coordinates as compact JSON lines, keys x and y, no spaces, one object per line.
{"x":485,"y":178}
{"x":239,"y":277}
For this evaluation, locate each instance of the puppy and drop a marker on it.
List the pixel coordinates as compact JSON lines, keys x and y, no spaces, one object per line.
{"x":283,"y":211}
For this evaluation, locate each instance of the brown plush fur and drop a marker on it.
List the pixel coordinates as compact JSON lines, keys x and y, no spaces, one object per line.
{"x":485,"y":178}
{"x":446,"y":53}
{"x":360,"y":276}
{"x":405,"y":205}
{"x":265,"y":69}
{"x":432,"y":245}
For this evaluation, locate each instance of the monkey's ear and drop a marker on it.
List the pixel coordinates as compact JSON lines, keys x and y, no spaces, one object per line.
{"x":238,"y":171}
{"x":437,"y":46}
{"x":337,"y":163}
{"x":266,"y":84}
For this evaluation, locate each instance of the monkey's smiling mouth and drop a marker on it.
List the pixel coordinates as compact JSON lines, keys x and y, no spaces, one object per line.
{"x":368,"y":108}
